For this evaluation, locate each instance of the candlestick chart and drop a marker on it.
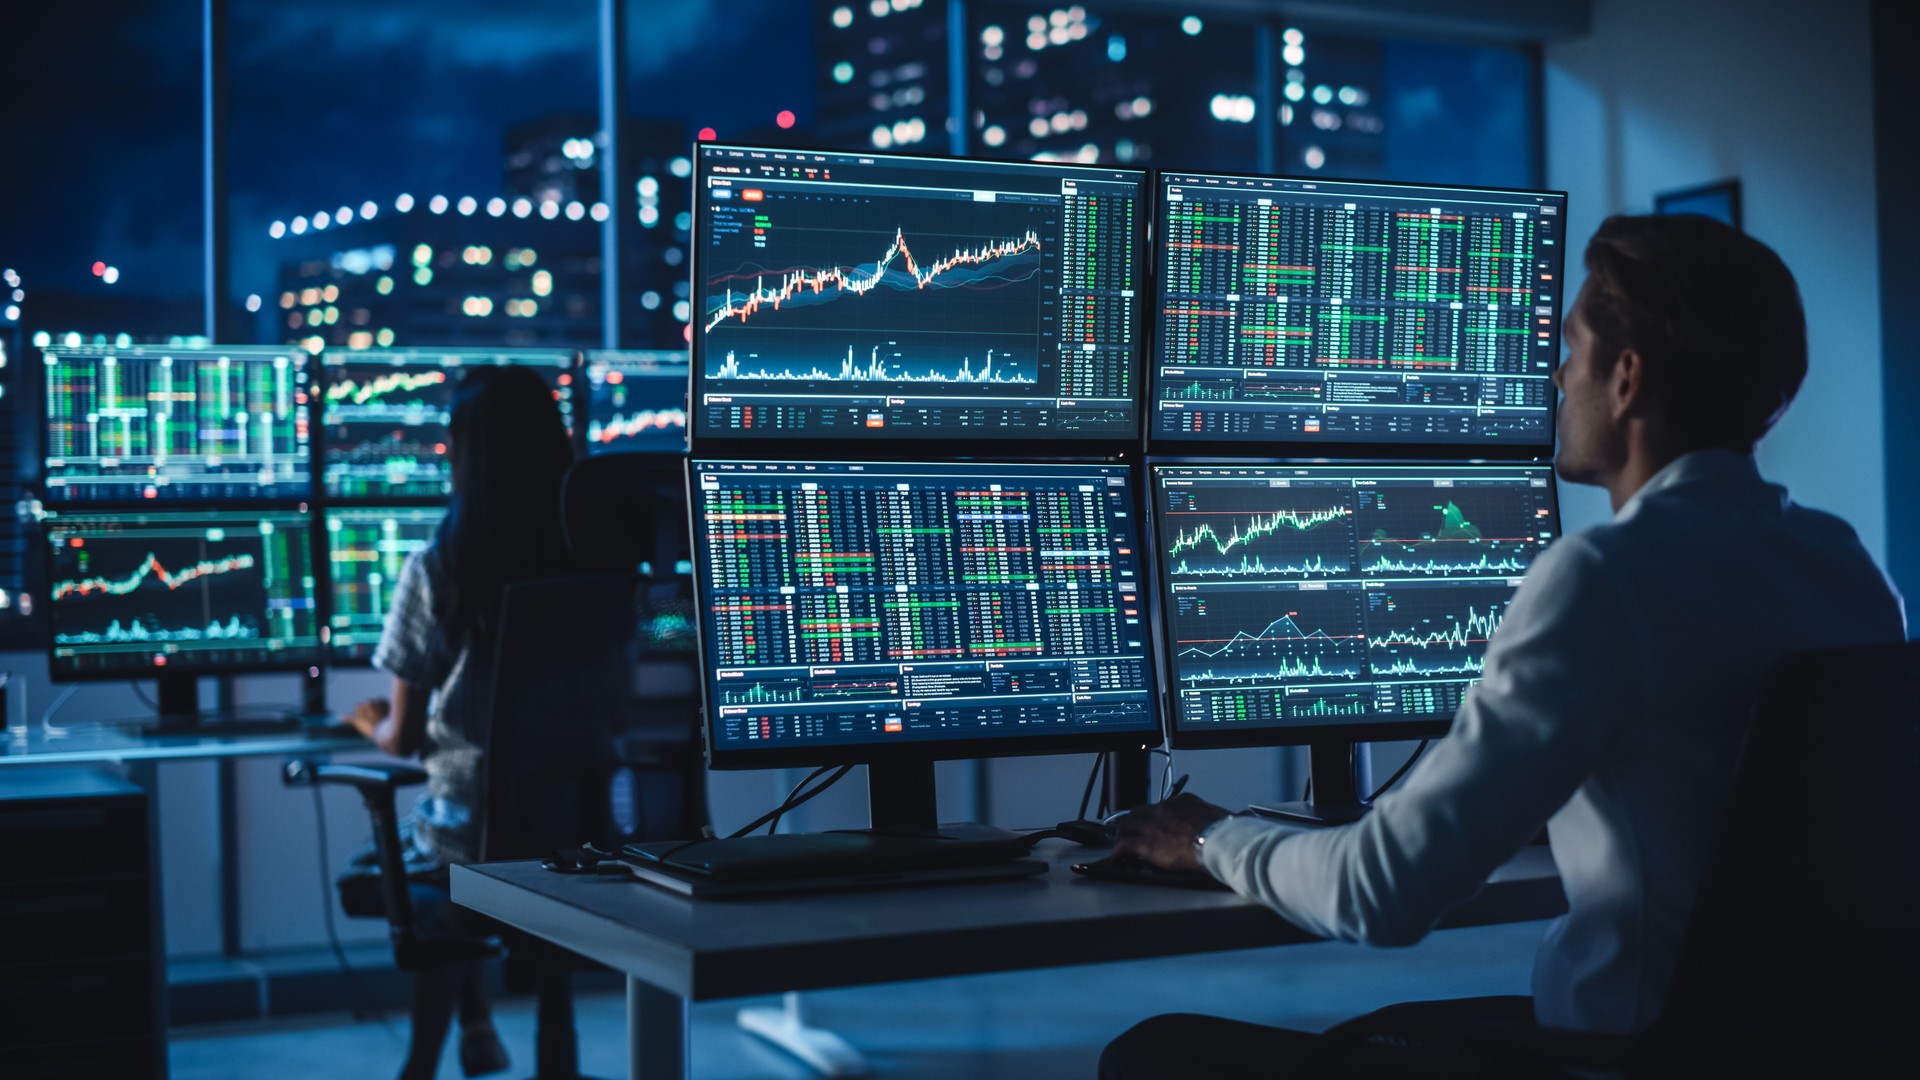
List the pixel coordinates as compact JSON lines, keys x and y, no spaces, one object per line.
{"x":366,"y":549}
{"x":899,"y":292}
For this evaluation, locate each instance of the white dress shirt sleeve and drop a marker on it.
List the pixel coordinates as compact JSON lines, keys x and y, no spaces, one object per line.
{"x":1564,"y":676}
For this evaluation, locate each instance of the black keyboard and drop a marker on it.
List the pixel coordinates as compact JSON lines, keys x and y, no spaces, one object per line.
{"x":1129,"y":868}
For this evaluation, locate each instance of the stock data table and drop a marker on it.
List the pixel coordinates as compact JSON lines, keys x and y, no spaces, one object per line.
{"x":176,"y":423}
{"x":891,"y":603}
{"x":1345,"y":312}
{"x":675,"y":951}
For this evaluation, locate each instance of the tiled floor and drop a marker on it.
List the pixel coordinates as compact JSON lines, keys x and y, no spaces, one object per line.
{"x":1039,"y":1024}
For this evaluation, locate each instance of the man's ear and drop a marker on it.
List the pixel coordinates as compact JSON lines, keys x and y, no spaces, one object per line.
{"x":1627,"y":384}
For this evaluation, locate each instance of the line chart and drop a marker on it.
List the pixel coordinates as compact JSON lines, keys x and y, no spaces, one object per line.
{"x":807,"y":284}
{"x":618,"y":427}
{"x":1265,"y":637}
{"x":357,"y":392}
{"x":1255,"y":528}
{"x":151,"y":566}
{"x":1434,"y":632}
{"x":1256,"y":567}
{"x":1474,"y":630}
{"x":1485,"y":563}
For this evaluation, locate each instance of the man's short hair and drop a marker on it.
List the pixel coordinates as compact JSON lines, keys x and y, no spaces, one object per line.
{"x":1714,"y":313}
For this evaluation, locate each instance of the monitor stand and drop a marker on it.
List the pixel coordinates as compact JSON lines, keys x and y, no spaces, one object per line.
{"x":180,"y":713}
{"x":900,"y":797}
{"x":1340,"y":771}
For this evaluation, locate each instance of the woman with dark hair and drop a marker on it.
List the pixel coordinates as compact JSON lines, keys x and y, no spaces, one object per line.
{"x":509,"y":452}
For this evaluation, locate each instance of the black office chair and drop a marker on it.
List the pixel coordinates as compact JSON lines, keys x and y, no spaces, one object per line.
{"x":1804,"y":939}
{"x":580,"y":750}
{"x":622,"y":510}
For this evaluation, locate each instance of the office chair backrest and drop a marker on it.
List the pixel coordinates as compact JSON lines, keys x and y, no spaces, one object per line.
{"x":573,"y":753}
{"x":624,"y":509}
{"x":1806,"y":926}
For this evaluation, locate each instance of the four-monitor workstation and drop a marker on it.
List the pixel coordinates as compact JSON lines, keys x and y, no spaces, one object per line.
{"x":995,"y":458}
{"x":1342,"y":391}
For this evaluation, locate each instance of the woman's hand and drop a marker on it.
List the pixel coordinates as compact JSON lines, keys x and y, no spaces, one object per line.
{"x":366,"y":717}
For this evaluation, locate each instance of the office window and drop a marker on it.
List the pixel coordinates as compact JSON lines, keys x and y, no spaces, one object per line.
{"x":1392,"y":109}
{"x":1110,"y":84}
{"x":743,"y":72}
{"x":406,"y":174}
{"x":100,"y":232}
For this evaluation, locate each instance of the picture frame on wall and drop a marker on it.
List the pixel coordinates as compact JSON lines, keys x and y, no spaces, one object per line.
{"x":1719,"y":200}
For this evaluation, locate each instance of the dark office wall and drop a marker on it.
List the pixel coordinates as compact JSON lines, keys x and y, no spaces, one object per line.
{"x":1896,"y":118}
{"x":1664,"y":94}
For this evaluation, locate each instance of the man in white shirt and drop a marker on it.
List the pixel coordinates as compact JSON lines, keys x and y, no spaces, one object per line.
{"x":1619,"y":684}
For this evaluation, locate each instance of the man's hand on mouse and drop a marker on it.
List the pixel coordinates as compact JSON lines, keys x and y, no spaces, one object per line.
{"x":1162,"y":833}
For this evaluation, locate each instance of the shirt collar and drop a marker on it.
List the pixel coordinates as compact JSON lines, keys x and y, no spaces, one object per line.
{"x":1718,"y":467}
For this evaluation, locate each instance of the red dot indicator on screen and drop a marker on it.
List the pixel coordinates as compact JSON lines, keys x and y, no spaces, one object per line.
{"x":785,"y":119}
{"x":99,"y":268}
{"x":707,"y":135}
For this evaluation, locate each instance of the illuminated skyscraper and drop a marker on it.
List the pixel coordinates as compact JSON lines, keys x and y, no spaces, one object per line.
{"x":517,"y":268}
{"x":883,"y":75}
{"x":1100,"y":83}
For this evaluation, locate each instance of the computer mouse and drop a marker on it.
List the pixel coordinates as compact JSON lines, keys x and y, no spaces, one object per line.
{"x":1088,"y":833}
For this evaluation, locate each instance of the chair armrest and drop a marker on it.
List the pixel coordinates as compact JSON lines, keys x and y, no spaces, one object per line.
{"x":1500,"y":1041}
{"x":377,"y":785}
{"x":370,"y":779}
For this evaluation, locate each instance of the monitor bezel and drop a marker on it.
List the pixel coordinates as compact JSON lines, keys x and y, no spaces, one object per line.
{"x":1179,"y":738}
{"x":1408,"y":451}
{"x":60,"y":671}
{"x":271,"y":500}
{"x":722,"y":759}
{"x":909,"y":447}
